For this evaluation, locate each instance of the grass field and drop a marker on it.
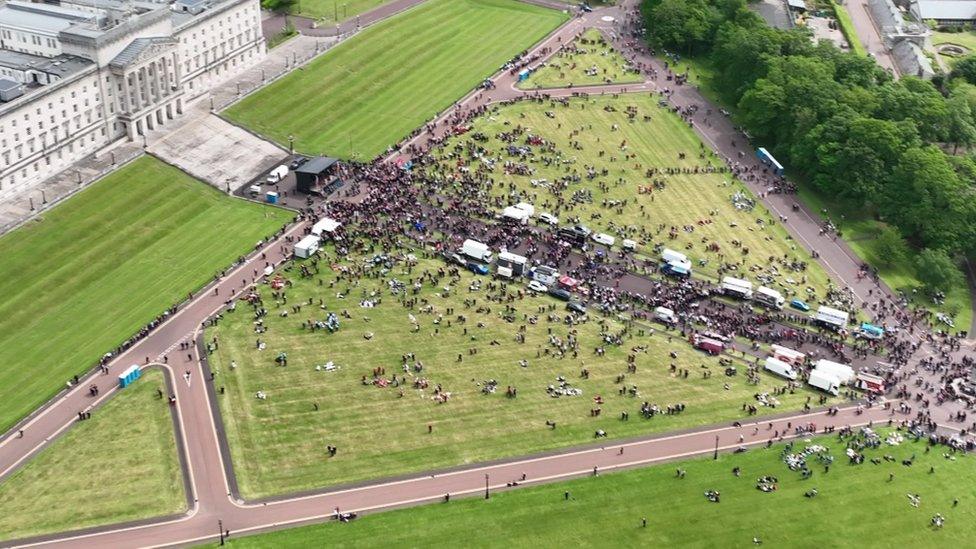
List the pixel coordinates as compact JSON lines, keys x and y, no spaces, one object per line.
{"x":594,"y":171}
{"x":965,"y":39}
{"x":846,"y":25}
{"x":590,"y":61}
{"x":88,"y":274}
{"x":279,"y":444}
{"x":372,"y":90}
{"x":856,"y":503}
{"x":329,"y":12}
{"x":121,"y":465}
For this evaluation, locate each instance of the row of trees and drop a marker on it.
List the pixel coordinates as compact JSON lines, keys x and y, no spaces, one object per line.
{"x":851,"y":130}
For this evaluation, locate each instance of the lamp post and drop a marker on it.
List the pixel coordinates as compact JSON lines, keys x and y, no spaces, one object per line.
{"x":220,"y":526}
{"x":487,"y":495}
{"x":715,"y":455}
{"x":43,"y":197}
{"x":113,"y":157}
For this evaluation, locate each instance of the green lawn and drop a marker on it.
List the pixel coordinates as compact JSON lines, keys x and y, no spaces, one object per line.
{"x":372,"y":90}
{"x":587,"y":61}
{"x":87,"y":275}
{"x":847,"y":28}
{"x":698,"y":206}
{"x":329,"y":12}
{"x":278,"y":445}
{"x":860,"y":231}
{"x":856,"y":503}
{"x":965,"y":39}
{"x":121,"y":465}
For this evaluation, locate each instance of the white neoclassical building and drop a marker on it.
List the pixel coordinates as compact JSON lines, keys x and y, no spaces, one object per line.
{"x":78,"y":75}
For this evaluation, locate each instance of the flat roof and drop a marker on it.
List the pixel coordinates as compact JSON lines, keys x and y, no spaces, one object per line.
{"x":41,"y":17}
{"x":7,"y":84}
{"x":61,"y":65}
{"x":960,"y":10}
{"x":316,"y":165}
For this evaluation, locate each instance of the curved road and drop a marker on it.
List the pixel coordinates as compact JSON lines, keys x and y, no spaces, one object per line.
{"x":206,"y":464}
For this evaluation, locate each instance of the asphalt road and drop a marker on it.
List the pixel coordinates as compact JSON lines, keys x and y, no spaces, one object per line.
{"x":207,"y":465}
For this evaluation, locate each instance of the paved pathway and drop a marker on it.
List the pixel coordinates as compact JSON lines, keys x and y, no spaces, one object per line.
{"x":206,"y":464}
{"x":869,"y":34}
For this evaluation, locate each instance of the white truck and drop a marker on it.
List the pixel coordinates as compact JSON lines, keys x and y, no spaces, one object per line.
{"x":476,"y":250}
{"x":835,"y":319}
{"x":780,"y":368}
{"x":769,"y":297}
{"x":736,"y":287}
{"x":825,"y":382}
{"x":514,"y":214}
{"x":277,"y":174}
{"x":510,"y":265}
{"x":843,"y":372}
{"x":307,"y":246}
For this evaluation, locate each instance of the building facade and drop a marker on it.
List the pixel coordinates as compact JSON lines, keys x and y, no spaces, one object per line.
{"x":81,"y":74}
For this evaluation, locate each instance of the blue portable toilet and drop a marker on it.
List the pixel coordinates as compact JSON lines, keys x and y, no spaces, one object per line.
{"x":271,"y":197}
{"x":129,"y":376}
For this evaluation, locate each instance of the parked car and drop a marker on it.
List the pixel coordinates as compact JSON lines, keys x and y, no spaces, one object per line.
{"x":297,"y":163}
{"x":537,"y":286}
{"x":477,"y":268}
{"x":548,"y":219}
{"x":603,"y":238}
{"x":576,"y":307}
{"x":560,"y":294}
{"x":454,"y":258}
{"x":799,"y":305}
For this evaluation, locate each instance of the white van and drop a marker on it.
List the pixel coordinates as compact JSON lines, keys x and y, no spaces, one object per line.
{"x":665,"y":315}
{"x":277,"y":174}
{"x":476,"y":250}
{"x":780,"y":368}
{"x":629,"y":245}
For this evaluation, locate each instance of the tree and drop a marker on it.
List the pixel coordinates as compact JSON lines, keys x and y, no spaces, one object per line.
{"x":890,"y":246}
{"x":966,"y":68}
{"x":962,"y":131}
{"x":682,"y":24}
{"x":852,"y":156}
{"x":279,"y":6}
{"x":936,"y":270}
{"x":925,"y":198}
